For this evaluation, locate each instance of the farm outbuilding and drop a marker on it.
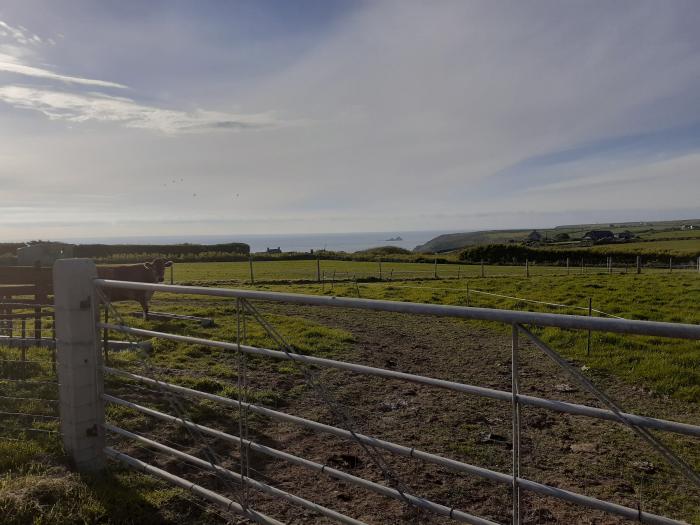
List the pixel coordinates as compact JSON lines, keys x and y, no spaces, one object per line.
{"x":534,"y":236}
{"x":598,"y":235}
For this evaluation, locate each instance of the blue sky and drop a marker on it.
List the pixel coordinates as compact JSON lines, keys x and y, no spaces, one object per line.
{"x":162,"y":118}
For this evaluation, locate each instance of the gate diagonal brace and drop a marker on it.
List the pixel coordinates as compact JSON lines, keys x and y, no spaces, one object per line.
{"x":682,"y":466}
{"x":338,"y":411}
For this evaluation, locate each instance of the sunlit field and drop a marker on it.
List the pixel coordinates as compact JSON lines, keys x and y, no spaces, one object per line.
{"x":655,"y":376}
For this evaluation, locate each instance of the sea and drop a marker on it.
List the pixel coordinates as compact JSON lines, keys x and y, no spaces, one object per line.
{"x":295,"y":242}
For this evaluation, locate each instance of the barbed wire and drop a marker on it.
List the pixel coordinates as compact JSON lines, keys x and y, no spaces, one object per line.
{"x":26,"y":414}
{"x":503,"y":296}
{"x":30,"y":381}
{"x":28,"y":361}
{"x":33,"y":399}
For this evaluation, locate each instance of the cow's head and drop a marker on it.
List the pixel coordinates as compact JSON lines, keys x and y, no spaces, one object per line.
{"x":157,"y":267}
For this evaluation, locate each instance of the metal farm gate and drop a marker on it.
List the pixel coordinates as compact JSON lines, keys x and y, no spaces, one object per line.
{"x":81,"y":371}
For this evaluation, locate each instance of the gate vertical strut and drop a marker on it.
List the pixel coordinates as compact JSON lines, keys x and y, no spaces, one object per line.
{"x":515,"y":385}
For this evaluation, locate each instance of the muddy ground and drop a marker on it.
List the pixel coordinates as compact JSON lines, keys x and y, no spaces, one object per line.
{"x":598,"y":458}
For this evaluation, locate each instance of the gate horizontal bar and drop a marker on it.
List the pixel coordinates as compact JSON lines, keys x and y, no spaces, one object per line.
{"x":262,"y":487}
{"x":401,"y":450}
{"x":558,"y":406}
{"x":200,"y":491}
{"x":576,"y":322}
{"x":329,"y":471}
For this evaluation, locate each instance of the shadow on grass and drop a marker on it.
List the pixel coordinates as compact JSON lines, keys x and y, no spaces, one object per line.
{"x":129,"y":497}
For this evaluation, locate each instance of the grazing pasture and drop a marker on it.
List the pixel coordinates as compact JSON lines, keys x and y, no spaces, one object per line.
{"x":678,"y":247}
{"x":238,"y":273}
{"x":653,"y":376}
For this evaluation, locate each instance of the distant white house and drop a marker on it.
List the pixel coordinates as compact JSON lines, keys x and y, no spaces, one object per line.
{"x":43,"y":253}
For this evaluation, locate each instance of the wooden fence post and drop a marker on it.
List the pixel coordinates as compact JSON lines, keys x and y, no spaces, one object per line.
{"x":482,"y":267}
{"x":590,"y":314}
{"x":527,"y":268}
{"x":639,"y":264}
{"x":567,"y":266}
{"x":435,"y":275}
{"x":252,"y":276}
{"x":380,"y":268}
{"x":318,"y":269}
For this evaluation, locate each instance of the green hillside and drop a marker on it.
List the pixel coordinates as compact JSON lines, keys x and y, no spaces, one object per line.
{"x":643,"y":231}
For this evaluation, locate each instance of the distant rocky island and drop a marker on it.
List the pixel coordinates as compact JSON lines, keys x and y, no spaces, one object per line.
{"x":394,"y":239}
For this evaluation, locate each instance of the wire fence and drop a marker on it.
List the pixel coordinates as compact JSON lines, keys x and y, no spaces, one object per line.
{"x":331,"y":271}
{"x":28,"y":381}
{"x":28,"y":394}
{"x":468,"y":292}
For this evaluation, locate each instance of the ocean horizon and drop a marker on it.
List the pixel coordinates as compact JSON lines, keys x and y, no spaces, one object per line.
{"x":293,"y":242}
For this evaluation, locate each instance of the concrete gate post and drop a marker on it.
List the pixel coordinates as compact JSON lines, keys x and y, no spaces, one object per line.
{"x":79,"y":362}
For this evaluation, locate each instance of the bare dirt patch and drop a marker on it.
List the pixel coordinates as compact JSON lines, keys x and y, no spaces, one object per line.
{"x":597,"y":458}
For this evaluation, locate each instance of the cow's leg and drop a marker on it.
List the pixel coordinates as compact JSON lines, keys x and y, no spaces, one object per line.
{"x":144,"y":306}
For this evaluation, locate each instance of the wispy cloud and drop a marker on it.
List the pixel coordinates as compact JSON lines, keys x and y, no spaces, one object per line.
{"x":74,"y":107}
{"x":72,"y":104}
{"x":12,"y":64}
{"x":19,"y":34}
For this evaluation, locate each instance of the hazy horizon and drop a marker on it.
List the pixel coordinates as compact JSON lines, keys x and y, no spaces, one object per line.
{"x":379,"y":236}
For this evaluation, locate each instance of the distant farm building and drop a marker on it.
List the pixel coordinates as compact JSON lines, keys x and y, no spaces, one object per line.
{"x":274,"y":250}
{"x":43,"y":253}
{"x":534,"y":236}
{"x":625,"y":236}
{"x":598,"y":235}
{"x":688,"y":227}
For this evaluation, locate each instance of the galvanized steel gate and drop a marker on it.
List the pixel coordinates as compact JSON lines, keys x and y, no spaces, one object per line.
{"x":79,"y":292}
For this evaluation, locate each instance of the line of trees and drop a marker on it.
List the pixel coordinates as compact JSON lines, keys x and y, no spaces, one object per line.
{"x":212,"y":256}
{"x":98,"y":251}
{"x":513,"y":253}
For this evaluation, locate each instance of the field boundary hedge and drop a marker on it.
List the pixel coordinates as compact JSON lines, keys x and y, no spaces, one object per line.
{"x":509,"y":254}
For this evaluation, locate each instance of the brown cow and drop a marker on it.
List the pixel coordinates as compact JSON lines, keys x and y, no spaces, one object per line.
{"x":148,"y":272}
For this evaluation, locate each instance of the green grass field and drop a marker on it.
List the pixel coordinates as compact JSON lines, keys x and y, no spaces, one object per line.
{"x":37,"y":486}
{"x":672,"y":234}
{"x":664,"y":365}
{"x":678,"y":247}
{"x":228,"y":273}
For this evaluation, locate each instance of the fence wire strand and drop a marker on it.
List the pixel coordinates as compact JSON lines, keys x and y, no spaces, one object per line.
{"x":175,"y":405}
